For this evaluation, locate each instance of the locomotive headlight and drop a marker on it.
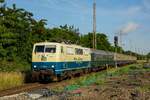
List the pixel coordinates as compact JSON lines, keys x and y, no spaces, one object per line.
{"x":52,"y":66}
{"x":34,"y":66}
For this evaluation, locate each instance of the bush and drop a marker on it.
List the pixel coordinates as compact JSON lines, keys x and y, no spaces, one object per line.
{"x":8,"y":66}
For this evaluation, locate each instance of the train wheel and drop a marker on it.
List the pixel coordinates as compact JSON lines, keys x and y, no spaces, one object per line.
{"x":41,"y":78}
{"x":33,"y":79}
{"x":47,"y":78}
{"x":34,"y":76}
{"x":57,"y":78}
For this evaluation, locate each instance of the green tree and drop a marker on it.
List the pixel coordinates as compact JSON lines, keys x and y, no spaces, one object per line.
{"x":63,"y":34}
{"x":16,"y":34}
{"x":102,"y":41}
{"x":86,"y":40}
{"x":2,"y":1}
{"x":148,"y":56}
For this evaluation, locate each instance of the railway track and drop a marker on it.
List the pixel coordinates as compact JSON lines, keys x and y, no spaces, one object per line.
{"x":23,"y":88}
{"x":30,"y":87}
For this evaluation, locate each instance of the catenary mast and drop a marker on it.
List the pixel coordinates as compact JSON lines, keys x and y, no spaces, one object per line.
{"x":94,"y":25}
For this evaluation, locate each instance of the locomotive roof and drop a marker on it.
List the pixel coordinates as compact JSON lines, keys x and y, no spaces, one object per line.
{"x":56,"y":43}
{"x":41,"y":43}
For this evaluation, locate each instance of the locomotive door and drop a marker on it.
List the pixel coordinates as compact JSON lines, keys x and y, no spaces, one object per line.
{"x":63,"y":56}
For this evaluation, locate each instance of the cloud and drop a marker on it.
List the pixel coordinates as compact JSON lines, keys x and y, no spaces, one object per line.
{"x":129,"y":27}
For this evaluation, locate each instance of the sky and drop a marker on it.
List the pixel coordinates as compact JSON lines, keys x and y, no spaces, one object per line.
{"x":130,"y":18}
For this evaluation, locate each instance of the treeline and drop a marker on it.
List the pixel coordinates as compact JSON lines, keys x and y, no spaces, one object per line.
{"x":139,"y":56}
{"x":19,"y":31}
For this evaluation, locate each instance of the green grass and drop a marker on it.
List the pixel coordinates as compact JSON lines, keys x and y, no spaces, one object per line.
{"x":10,"y":73}
{"x":99,"y":78}
{"x":144,"y":88}
{"x":10,"y":79}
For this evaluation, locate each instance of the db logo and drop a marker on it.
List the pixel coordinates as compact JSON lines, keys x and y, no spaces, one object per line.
{"x":43,"y":58}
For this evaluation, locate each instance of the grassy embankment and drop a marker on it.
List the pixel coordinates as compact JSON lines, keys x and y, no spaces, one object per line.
{"x":100,"y":77}
{"x":10,"y":79}
{"x":12,"y":74}
{"x":13,"y":79}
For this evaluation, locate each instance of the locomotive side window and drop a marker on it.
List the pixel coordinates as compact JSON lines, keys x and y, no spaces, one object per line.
{"x":78,"y":51}
{"x":39,"y":48}
{"x":50,"y":49}
{"x":86,"y":52}
{"x":70,"y":51}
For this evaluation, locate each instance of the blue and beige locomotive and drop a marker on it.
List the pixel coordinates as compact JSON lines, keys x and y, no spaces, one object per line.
{"x":53,"y":61}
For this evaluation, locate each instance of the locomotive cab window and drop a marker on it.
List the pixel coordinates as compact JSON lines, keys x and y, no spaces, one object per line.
{"x":39,"y":49}
{"x":50,"y":49}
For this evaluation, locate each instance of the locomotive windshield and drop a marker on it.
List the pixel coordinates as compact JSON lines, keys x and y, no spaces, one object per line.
{"x":45,"y":49}
{"x":39,"y":49}
{"x":50,"y":49}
